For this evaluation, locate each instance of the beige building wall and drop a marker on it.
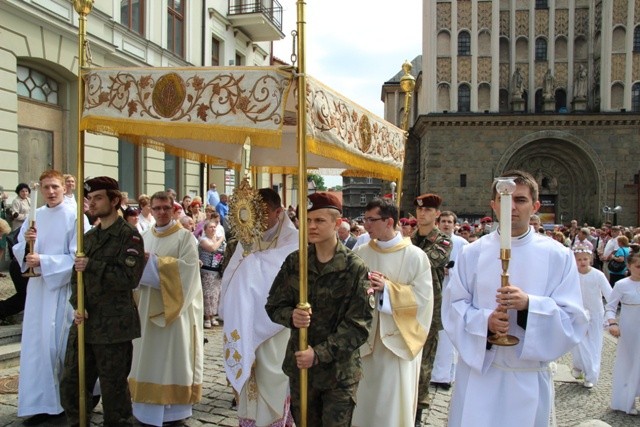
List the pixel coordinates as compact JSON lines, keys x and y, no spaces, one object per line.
{"x":42,"y":34}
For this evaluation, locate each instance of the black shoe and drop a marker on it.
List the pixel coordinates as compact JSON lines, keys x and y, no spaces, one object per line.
{"x":41,"y":419}
{"x":444,"y":386}
{"x":94,"y":401}
{"x":418,"y":417}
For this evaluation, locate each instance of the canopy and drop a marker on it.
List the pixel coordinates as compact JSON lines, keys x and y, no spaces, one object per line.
{"x":207,"y":115}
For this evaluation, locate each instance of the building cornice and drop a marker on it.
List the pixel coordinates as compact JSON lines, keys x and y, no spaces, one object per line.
{"x":427,"y":121}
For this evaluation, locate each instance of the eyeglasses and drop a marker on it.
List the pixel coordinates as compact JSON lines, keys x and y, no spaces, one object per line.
{"x":161,"y":208}
{"x":371,"y":220}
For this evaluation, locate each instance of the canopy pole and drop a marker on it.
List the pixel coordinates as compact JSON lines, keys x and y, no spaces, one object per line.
{"x":407,"y":84}
{"x":302,"y":197}
{"x":83,"y":8}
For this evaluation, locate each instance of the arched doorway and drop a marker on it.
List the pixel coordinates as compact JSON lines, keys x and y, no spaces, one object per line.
{"x":569,"y":173}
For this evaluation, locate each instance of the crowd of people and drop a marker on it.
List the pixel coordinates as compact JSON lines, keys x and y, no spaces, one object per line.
{"x":394,"y":304}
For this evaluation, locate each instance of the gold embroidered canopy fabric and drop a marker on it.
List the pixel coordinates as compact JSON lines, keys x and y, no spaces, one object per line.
{"x":207,"y":115}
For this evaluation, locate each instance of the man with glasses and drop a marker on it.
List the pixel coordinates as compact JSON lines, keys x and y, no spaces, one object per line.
{"x":166,"y":375}
{"x":437,"y":246}
{"x":400,"y":278}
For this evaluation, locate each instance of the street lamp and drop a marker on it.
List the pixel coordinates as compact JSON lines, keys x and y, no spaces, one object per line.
{"x":607,"y":210}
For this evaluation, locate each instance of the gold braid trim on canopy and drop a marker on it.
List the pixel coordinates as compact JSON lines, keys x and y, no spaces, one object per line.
{"x":207,"y":114}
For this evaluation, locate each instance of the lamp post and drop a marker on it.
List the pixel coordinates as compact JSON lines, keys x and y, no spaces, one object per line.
{"x":607,"y":210}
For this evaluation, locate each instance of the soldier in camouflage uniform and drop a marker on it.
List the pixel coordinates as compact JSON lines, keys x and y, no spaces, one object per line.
{"x":437,"y":246}
{"x":338,"y":322}
{"x":112,"y":268}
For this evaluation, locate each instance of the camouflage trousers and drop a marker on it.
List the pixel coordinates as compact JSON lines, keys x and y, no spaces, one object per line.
{"x":429,"y":353}
{"x":109,"y":362}
{"x":325,"y":408}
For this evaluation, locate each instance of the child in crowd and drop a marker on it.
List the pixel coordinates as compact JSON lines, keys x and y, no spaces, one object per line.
{"x":594,"y":285}
{"x":626,"y":371}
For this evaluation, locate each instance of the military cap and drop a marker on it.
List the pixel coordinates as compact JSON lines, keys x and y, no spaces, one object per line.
{"x":428,"y":201}
{"x":486,"y":219}
{"x":465,"y":227}
{"x":323,"y":200}
{"x":100,"y":183}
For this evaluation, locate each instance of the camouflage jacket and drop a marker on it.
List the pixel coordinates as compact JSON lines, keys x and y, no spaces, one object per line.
{"x":437,"y":246}
{"x":116,"y":262}
{"x":340,"y":320}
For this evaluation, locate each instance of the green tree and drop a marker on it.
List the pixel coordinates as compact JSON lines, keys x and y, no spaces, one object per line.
{"x":318,"y":181}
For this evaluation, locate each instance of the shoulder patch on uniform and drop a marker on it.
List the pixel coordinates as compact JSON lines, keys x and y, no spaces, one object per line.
{"x":130,"y":261}
{"x":135,"y":238}
{"x":446,"y":242}
{"x":441,"y":249}
{"x":133,"y":251}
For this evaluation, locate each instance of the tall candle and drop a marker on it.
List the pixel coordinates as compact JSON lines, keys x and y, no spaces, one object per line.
{"x":505,"y":221}
{"x":34,"y":202}
{"x":505,"y":187}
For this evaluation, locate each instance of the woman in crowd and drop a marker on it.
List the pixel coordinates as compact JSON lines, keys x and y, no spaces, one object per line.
{"x":211,"y":249}
{"x":195,"y":212}
{"x":20,"y":206}
{"x":145,"y":219}
{"x":617,"y":265}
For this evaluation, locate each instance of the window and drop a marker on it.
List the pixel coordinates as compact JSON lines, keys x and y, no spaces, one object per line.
{"x":128,"y":170}
{"x":636,"y":39}
{"x":363,"y":199}
{"x":541,"y":49}
{"x":132,"y":15}
{"x":464,"y":43}
{"x":171,"y":172}
{"x":464,"y":99}
{"x":542,"y":4}
{"x":463,"y":180}
{"x":175,"y":27}
{"x":215,"y":52}
{"x":35,"y":85}
{"x":635,"y":98}
{"x":238,"y":59}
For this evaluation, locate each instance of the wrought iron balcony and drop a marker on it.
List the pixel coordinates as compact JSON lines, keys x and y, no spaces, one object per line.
{"x":261,"y":20}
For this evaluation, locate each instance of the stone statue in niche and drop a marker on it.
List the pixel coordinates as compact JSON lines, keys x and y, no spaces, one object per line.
{"x":517,"y":84}
{"x":580,"y":83}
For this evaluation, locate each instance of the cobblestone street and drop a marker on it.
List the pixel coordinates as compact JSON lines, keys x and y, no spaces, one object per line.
{"x":574,"y":403}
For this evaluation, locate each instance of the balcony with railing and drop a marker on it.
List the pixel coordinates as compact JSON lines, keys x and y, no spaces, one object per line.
{"x":261,"y":20}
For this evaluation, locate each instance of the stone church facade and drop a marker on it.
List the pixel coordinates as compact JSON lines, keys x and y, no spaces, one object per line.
{"x":551,"y":87}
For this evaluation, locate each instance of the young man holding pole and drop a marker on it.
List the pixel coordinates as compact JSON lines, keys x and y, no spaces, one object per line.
{"x":338,"y":322}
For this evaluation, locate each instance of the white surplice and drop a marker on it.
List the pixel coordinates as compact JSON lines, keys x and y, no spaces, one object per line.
{"x":626,"y":370}
{"x":167,"y":367}
{"x":444,"y":364}
{"x":47,"y":312}
{"x":388,"y":391}
{"x":511,"y":386}
{"x":588,"y":353}
{"x":250,"y":336}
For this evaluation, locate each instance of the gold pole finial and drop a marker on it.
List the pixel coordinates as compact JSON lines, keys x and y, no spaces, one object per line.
{"x":83,"y":7}
{"x":408,"y":85}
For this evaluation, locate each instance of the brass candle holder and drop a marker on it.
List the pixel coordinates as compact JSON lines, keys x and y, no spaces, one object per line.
{"x":504,"y":339}
{"x":32,"y":224}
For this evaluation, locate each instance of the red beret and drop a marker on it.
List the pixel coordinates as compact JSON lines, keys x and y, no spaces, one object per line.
{"x":323,"y":200}
{"x":100,"y":183}
{"x":428,"y":201}
{"x":486,"y":219}
{"x":465,"y":227}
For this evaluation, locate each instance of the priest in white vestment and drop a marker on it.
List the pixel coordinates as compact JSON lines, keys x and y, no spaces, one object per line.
{"x":402,"y":293}
{"x":257,"y":377}
{"x":166,"y":373}
{"x":541,"y":306}
{"x":47,"y":313}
